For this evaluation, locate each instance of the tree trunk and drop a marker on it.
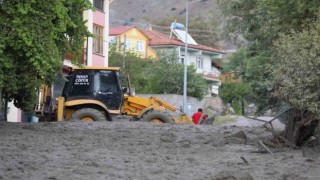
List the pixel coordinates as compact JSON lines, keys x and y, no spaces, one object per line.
{"x":300,"y":127}
{"x":242,"y":106}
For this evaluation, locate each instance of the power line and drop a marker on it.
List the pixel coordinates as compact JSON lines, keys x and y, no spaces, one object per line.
{"x":157,"y":26}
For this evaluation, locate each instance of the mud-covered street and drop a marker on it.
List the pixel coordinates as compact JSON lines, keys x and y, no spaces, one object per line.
{"x":137,"y":150}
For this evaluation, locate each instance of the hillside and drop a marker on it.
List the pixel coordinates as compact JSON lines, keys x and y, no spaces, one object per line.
{"x":145,"y":13}
{"x":142,"y":12}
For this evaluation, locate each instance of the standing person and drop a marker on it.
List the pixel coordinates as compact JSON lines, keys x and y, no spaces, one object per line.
{"x":196,"y":116}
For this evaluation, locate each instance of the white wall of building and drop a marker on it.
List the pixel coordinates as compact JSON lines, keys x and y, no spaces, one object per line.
{"x":88,"y":16}
{"x":106,"y":33}
{"x":14,"y":114}
{"x":206,"y":64}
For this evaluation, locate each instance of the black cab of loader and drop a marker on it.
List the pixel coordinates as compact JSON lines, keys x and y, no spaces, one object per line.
{"x":95,"y":88}
{"x":96,"y":84}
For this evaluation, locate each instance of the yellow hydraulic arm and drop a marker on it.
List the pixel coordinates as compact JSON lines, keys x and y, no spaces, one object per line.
{"x":137,"y":106}
{"x":183,"y":117}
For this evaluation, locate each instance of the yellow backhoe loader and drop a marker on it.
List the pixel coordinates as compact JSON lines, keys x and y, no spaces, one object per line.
{"x":96,"y":94}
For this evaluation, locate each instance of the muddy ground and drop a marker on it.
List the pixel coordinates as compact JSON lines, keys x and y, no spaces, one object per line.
{"x":138,"y":150}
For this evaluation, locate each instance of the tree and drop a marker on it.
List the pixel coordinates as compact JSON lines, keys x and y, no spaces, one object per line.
{"x":35,"y":36}
{"x":158,"y":76}
{"x":132,"y":64}
{"x":166,"y":76}
{"x":260,"y":22}
{"x":237,"y":62}
{"x":283,"y":53}
{"x":296,"y":76}
{"x":296,"y":79}
{"x":235,"y":94}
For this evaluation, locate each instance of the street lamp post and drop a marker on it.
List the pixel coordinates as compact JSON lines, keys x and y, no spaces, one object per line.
{"x":186,"y":57}
{"x":185,"y":60}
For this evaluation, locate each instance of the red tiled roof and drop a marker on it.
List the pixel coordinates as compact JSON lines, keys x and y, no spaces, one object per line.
{"x":113,"y":31}
{"x":157,"y":38}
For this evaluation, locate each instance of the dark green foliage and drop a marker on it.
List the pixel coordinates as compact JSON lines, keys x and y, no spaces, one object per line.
{"x":261,"y":23}
{"x":196,"y":86}
{"x":35,"y":35}
{"x":131,"y":65}
{"x":235,"y":94}
{"x":158,"y":76}
{"x":237,"y":62}
{"x":296,"y":78}
{"x":166,"y":76}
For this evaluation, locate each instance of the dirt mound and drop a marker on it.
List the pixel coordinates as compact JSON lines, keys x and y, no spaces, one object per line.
{"x":137,"y":150}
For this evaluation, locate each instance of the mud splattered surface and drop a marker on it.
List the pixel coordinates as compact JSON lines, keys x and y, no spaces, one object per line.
{"x":137,"y":150}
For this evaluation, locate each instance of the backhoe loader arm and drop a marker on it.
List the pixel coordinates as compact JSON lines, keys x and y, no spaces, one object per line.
{"x":136,"y":106}
{"x":166,"y":105}
{"x":183,"y":117}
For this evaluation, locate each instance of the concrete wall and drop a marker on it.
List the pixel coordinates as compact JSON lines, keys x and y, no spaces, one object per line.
{"x":193,"y":103}
{"x":14,"y":114}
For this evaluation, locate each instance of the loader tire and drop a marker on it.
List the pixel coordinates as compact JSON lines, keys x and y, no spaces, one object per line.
{"x":156,"y":116}
{"x":88,"y":114}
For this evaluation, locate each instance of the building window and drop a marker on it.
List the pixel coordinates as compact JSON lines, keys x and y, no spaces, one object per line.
{"x":98,"y":39}
{"x":98,"y":4}
{"x":127,"y":45}
{"x":139,"y":46}
{"x":182,"y":59}
{"x":199,"y":63}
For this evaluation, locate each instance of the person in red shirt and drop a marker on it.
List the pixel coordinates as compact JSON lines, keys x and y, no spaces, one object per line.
{"x":196,"y":116}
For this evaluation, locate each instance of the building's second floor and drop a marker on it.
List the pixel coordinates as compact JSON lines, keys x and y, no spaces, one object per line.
{"x":130,"y":38}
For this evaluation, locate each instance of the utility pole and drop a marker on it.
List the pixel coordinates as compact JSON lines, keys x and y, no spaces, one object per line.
{"x":185,"y":80}
{"x":185,"y":61}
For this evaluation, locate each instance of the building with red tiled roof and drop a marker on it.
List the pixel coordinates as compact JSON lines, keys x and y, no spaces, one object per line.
{"x":133,"y":39}
{"x":202,"y":57}
{"x":159,"y":39}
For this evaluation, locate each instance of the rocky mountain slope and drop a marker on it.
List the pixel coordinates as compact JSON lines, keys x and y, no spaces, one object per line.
{"x":143,"y":12}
